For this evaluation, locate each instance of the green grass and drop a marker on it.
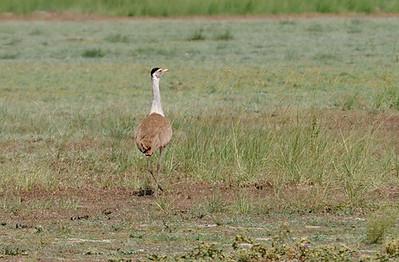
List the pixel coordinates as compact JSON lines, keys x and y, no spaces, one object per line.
{"x":208,"y":7}
{"x":290,"y":121}
{"x":197,"y":35}
{"x":93,"y":53}
{"x":243,"y":116}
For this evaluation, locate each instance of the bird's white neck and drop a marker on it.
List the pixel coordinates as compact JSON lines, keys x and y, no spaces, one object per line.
{"x":156,"y":101}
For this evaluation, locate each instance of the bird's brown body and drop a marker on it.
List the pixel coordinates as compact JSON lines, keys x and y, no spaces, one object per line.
{"x":153,"y":133}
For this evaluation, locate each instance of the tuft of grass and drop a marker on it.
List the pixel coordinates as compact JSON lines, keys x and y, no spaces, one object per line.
{"x":378,"y":225}
{"x":388,"y":98}
{"x":13,"y":41}
{"x":93,"y":53}
{"x":354,"y":30}
{"x":215,"y":204}
{"x":9,"y":56}
{"x":36,"y":32}
{"x":13,"y":251}
{"x":225,"y":36}
{"x":326,"y":57}
{"x":117,"y":38}
{"x":242,"y":205}
{"x":291,"y":55}
{"x":392,"y":248}
{"x":165,"y":205}
{"x":246,"y":249}
{"x":287,"y":22}
{"x":197,"y":35}
{"x":349,"y":102}
{"x":315,"y":28}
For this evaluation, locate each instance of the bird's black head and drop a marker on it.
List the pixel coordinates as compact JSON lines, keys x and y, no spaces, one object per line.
{"x":154,"y":70}
{"x":158,"y":72}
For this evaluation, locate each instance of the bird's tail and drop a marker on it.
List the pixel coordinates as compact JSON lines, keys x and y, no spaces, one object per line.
{"x":145,"y":149}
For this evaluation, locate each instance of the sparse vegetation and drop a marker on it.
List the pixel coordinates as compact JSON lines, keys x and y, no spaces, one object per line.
{"x":378,"y":225}
{"x":392,"y":248}
{"x":89,"y":53}
{"x":11,"y":251}
{"x":225,"y":36}
{"x":246,"y":249}
{"x":197,"y":35}
{"x":9,"y":56}
{"x":117,"y":38}
{"x":285,"y":131}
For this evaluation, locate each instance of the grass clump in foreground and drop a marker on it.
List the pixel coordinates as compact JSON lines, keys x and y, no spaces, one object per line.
{"x":246,"y":249}
{"x":206,"y":7}
{"x":392,"y":248}
{"x":379,"y":224}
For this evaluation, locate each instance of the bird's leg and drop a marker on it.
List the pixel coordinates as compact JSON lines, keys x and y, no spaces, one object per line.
{"x":150,"y":170}
{"x":159,"y":166}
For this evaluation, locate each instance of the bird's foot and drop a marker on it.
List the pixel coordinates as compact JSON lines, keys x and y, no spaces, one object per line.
{"x":160,"y":188}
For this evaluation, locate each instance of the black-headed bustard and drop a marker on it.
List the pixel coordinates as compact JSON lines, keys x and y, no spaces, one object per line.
{"x":154,"y":132}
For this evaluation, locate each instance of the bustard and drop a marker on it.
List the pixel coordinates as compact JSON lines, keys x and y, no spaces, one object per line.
{"x":154,"y":132}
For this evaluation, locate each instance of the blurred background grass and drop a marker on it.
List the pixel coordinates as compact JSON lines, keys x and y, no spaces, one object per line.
{"x":205,"y":7}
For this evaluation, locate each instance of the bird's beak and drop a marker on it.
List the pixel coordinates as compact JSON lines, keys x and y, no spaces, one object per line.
{"x":165,"y":70}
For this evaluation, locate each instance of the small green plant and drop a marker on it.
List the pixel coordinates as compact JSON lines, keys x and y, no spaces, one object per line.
{"x":215,"y":204}
{"x":117,"y":38}
{"x":93,"y":53}
{"x":36,"y":32}
{"x":291,"y":55}
{"x":11,"y":204}
{"x":378,"y":225}
{"x":64,"y":229}
{"x":354,"y":30}
{"x":246,"y":249}
{"x":315,"y":28}
{"x":9,"y":56}
{"x":136,"y":235}
{"x":225,"y":36}
{"x":198,"y":35}
{"x":388,"y":98}
{"x":13,"y":41}
{"x":287,"y":22}
{"x":392,"y":248}
{"x":326,"y":57}
{"x":165,"y":205}
{"x":349,"y":102}
{"x":243,"y":204}
{"x":13,"y":251}
{"x":205,"y":251}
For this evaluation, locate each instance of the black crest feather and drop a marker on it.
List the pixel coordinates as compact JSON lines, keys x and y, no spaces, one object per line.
{"x":154,"y":70}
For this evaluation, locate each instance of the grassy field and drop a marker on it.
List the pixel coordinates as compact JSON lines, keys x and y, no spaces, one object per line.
{"x":205,"y":7}
{"x":285,"y":133}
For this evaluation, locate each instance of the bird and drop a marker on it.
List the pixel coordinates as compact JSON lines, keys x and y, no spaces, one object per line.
{"x":154,"y":132}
